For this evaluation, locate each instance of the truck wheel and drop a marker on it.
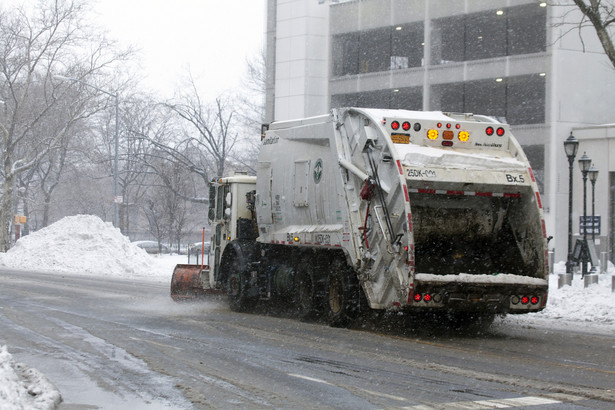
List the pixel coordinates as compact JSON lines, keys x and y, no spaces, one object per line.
{"x":340,"y":304}
{"x":237,"y":290}
{"x":305,"y":293}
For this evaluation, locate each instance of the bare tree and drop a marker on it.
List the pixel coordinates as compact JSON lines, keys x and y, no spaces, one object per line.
{"x":601,"y":15}
{"x":155,"y":214}
{"x":210,"y":127}
{"x":252,"y":110}
{"x":33,"y":48}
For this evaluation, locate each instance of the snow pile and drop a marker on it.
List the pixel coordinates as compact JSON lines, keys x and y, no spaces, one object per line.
{"x":24,"y":388}
{"x":577,"y":306}
{"x":81,"y":244}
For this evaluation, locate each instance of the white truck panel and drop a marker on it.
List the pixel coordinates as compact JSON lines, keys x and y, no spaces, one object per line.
{"x":447,"y":187}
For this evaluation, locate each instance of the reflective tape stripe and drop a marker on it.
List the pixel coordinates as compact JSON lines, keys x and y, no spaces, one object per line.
{"x":467,"y":193}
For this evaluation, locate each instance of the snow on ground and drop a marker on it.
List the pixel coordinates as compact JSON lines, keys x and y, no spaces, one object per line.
{"x":86,"y":245}
{"x":24,"y":388}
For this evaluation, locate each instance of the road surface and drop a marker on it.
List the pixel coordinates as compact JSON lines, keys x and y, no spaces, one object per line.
{"x":111,"y":343}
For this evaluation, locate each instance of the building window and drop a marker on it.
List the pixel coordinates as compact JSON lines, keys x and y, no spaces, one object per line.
{"x":486,"y":97}
{"x":516,"y":100}
{"x":536,"y":155}
{"x":489,"y":34}
{"x":382,"y":49}
{"x":409,"y":98}
{"x":374,"y":50}
{"x":527,"y":29}
{"x":345,"y":49}
{"x":485,"y":35}
{"x":407,"y":46}
{"x":525,"y":102}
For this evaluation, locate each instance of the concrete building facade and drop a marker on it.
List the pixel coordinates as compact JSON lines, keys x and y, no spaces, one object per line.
{"x":522,"y":61}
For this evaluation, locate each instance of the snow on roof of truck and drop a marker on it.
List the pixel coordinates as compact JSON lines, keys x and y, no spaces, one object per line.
{"x":418,"y":155}
{"x":378,"y":114}
{"x":467,"y":158}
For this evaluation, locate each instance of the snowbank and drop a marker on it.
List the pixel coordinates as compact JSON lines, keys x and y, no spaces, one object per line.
{"x":84,"y":244}
{"x":575,"y":306}
{"x":24,"y":388}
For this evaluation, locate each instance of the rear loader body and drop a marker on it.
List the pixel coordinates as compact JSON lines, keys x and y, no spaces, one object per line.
{"x":390,"y":209}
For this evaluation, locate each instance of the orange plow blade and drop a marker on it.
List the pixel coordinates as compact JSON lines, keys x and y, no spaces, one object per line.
{"x":186,"y":283}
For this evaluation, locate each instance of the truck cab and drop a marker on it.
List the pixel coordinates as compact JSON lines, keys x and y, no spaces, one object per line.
{"x":232,"y":216}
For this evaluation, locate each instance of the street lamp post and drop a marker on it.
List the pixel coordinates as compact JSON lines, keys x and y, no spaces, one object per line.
{"x":571,"y":145}
{"x":584,"y":164}
{"x":117,"y":143}
{"x":593,"y":177}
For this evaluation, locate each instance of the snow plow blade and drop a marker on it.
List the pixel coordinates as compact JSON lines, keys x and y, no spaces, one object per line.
{"x":186,"y":283}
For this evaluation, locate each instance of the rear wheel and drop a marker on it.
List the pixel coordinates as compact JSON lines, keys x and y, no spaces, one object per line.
{"x":341,"y":301}
{"x":238,"y":285}
{"x":305,"y":293}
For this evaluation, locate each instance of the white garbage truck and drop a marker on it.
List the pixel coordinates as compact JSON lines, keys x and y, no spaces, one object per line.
{"x":365,"y":209}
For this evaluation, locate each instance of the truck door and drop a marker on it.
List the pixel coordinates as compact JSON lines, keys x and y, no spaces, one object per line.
{"x":219,"y":240}
{"x":264,"y":185}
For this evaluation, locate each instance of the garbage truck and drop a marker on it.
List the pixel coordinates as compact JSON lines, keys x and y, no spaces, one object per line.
{"x":374,"y":209}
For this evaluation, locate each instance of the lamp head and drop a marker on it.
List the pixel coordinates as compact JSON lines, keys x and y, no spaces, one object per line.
{"x":584,"y":163}
{"x":592,"y":173}
{"x":571,"y":146}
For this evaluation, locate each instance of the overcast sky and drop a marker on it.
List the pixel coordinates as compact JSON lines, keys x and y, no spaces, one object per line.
{"x":211,"y":37}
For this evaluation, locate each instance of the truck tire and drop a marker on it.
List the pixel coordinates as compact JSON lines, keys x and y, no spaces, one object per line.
{"x":341,"y":301}
{"x":305,"y":293}
{"x":237,"y":290}
{"x":237,"y":281}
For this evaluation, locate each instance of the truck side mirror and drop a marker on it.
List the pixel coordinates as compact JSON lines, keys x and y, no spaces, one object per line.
{"x":228,"y":201}
{"x":212,"y":203}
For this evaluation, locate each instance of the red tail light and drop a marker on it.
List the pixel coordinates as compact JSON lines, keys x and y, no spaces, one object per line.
{"x":406,"y":126}
{"x":489,"y":131}
{"x":395,"y":125}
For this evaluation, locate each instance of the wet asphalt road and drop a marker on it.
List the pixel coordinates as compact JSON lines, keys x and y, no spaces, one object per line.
{"x":109,"y":343}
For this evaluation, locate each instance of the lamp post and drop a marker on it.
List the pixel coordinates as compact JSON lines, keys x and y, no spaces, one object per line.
{"x":117,"y":143}
{"x":571,"y":146}
{"x":584,"y":163}
{"x":593,"y":176}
